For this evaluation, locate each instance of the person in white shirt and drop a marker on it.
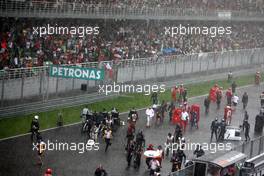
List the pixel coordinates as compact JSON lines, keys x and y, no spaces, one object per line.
{"x":154,"y":166}
{"x":169,"y":142}
{"x":109,"y":122}
{"x":108,"y":137}
{"x":161,"y":154}
{"x":150,"y":114}
{"x":184,"y":119}
{"x":235,"y":100}
{"x":84,"y":114}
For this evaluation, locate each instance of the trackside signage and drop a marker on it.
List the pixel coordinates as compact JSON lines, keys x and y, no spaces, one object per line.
{"x":76,"y":72}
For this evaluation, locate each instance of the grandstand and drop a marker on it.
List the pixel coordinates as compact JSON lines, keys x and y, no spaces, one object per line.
{"x":118,"y":40}
{"x":129,"y":41}
{"x":125,"y":31}
{"x":120,"y":36}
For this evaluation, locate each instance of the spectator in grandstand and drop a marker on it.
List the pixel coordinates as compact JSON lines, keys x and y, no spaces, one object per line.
{"x":197,"y":5}
{"x":21,"y":47}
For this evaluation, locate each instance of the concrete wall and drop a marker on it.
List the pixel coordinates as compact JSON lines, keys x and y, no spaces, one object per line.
{"x":27,"y":87}
{"x":192,"y":64}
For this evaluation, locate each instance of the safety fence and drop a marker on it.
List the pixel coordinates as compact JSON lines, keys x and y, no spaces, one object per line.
{"x":220,"y":59}
{"x":252,"y":148}
{"x":65,"y":9}
{"x":28,"y":83}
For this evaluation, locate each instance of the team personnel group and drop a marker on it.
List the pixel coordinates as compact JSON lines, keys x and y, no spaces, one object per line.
{"x":177,"y":111}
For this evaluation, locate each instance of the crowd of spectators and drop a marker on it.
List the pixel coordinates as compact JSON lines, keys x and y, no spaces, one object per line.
{"x":245,"y":5}
{"x":117,"y":40}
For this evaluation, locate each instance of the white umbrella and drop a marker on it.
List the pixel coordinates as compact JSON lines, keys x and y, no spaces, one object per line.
{"x":90,"y":142}
{"x":151,"y":153}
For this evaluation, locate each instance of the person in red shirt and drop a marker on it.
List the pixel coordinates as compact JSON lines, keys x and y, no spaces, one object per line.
{"x":130,"y":133}
{"x":229,"y":96}
{"x":176,"y":119}
{"x":174,"y":93}
{"x":213,"y":91}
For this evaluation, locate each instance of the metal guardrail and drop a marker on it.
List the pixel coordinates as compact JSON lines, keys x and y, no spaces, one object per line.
{"x":23,"y":85}
{"x":47,"y":104}
{"x":141,"y":62}
{"x":252,"y":148}
{"x":36,"y":71}
{"x":67,"y":9}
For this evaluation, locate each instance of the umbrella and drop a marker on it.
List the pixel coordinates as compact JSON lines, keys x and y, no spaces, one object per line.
{"x":151,"y":153}
{"x":90,"y":142}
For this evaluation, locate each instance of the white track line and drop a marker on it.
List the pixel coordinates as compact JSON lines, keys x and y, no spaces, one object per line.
{"x":122,"y":113}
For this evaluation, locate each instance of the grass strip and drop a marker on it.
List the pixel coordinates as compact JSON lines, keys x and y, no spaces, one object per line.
{"x":21,"y":124}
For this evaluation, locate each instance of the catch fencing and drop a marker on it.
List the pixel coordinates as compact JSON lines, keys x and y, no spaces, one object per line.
{"x":30,"y":84}
{"x":79,"y":10}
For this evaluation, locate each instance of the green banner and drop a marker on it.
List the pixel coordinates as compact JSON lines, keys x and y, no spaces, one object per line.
{"x":76,"y":72}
